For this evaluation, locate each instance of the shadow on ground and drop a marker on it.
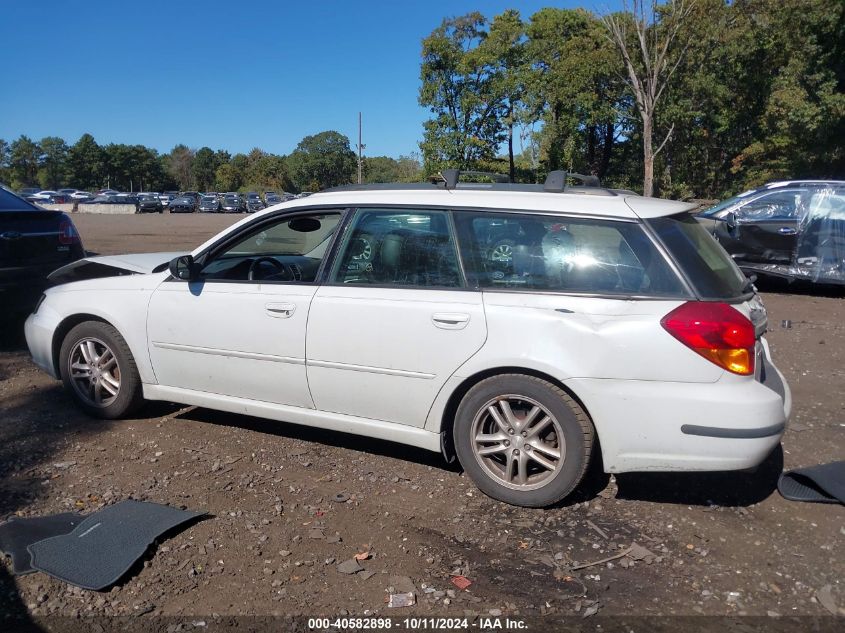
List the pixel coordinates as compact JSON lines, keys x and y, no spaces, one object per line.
{"x":337,"y":439}
{"x":734,"y":488}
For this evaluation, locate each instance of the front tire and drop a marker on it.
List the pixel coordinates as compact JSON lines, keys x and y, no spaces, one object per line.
{"x":98,"y":370}
{"x":523,"y":440}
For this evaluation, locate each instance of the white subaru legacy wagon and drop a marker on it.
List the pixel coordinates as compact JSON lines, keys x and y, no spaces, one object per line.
{"x":523,"y":329}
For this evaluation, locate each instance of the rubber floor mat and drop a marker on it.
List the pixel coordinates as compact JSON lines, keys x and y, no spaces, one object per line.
{"x":819,"y":484}
{"x":107,"y":543}
{"x":17,"y":533}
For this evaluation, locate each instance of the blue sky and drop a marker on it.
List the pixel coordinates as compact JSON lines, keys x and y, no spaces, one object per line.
{"x":230,"y":75}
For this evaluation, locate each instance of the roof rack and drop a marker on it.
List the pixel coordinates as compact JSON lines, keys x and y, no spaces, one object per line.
{"x":450,"y":179}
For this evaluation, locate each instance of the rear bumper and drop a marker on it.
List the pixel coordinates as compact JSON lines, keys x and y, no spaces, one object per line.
{"x":732,"y":424}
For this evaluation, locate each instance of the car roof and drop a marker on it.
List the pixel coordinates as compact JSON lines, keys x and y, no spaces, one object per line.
{"x":578,"y":201}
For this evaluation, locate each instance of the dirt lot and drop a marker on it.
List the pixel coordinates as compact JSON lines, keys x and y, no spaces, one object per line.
{"x":719,"y":544}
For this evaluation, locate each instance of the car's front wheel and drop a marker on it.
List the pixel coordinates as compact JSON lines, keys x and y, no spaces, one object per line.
{"x":98,"y":369}
{"x":522,"y":439}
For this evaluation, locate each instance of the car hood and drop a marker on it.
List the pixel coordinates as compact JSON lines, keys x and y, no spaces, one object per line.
{"x":111,"y":266}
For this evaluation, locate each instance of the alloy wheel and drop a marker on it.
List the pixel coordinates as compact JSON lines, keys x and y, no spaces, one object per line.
{"x":518,"y":442}
{"x":94,"y":372}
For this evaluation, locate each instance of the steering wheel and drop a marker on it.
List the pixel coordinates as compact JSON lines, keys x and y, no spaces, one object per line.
{"x":258,"y":261}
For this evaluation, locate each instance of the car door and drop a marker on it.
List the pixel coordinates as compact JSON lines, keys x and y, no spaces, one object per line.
{"x":394,"y":321}
{"x":767,"y":228}
{"x":239,"y":328}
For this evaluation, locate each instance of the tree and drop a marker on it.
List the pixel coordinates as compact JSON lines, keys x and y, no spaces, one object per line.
{"x":226,"y":178}
{"x":24,"y":155}
{"x":322,"y":160}
{"x":204,"y":168}
{"x":86,"y":163}
{"x":4,"y":161}
{"x":573,"y":87}
{"x":458,"y":88}
{"x":52,"y":172}
{"x":179,"y":166}
{"x":504,"y":51}
{"x":648,"y":41}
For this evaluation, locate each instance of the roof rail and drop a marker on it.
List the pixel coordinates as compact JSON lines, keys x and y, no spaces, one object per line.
{"x":556,"y":180}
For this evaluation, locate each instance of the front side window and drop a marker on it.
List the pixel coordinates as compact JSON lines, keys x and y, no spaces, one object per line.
{"x":535,"y":252}
{"x":778,"y":206}
{"x":288,"y":250}
{"x":398,"y":247}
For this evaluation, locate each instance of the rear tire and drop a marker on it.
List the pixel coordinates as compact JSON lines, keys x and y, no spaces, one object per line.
{"x":523,"y":440}
{"x":98,"y":370}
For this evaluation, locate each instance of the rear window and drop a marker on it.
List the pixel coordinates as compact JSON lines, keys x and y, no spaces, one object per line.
{"x":534,"y":252}
{"x":705,"y":263}
{"x":11,"y":202}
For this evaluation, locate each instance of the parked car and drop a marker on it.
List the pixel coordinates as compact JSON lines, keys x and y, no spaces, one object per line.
{"x":149,"y":203}
{"x":210,"y":204}
{"x":166,"y":198}
{"x":69,"y":191}
{"x":33,"y":243}
{"x":793,"y":229}
{"x":253,"y":202}
{"x":183,"y":204}
{"x":28,"y":191}
{"x":375,"y":310}
{"x":81,"y":196}
{"x":272,"y":199}
{"x":232,"y":204}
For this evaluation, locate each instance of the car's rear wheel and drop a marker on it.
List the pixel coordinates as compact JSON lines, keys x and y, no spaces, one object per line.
{"x":98,"y":369}
{"x":522,"y":439}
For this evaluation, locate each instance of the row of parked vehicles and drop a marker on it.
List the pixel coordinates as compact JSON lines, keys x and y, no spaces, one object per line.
{"x":174,"y":201}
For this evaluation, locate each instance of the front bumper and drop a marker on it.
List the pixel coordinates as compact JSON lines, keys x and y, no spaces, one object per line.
{"x":39,"y":329}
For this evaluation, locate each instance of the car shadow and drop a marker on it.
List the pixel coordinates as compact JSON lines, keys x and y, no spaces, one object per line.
{"x":11,"y":334}
{"x":336,"y":439}
{"x":732,"y":488}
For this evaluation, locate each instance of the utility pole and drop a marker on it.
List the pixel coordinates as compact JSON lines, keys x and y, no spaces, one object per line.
{"x":360,"y":153}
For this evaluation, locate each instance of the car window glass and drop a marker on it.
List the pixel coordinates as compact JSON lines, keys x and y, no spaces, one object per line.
{"x":289,"y":250}
{"x":533,"y":252}
{"x":399,"y":248}
{"x":781,"y":205}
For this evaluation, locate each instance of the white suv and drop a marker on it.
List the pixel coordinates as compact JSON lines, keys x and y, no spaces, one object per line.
{"x":522,"y":329}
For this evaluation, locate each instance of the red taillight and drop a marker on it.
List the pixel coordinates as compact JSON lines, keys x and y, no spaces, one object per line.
{"x":717,"y":332}
{"x":67,"y":232}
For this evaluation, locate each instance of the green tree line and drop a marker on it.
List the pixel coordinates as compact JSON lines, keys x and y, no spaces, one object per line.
{"x":319,"y":161}
{"x":716,"y":95}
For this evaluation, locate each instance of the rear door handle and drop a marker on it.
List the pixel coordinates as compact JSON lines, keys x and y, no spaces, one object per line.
{"x":450,"y":320}
{"x":280,"y":310}
{"x":787,"y":230}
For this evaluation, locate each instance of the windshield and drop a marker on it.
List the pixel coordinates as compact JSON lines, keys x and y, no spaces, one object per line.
{"x":10,"y":202}
{"x":726,"y":203}
{"x":704,"y":262}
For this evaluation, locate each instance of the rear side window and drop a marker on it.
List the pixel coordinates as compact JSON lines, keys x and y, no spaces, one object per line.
{"x":705,"y":263}
{"x":533,"y":252}
{"x":402,"y":247}
{"x":11,"y":202}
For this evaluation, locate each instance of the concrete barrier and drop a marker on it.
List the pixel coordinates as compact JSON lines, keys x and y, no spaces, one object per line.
{"x":111,"y":209}
{"x":67,"y":208}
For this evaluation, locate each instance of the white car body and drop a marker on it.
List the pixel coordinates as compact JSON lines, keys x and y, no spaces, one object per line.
{"x":384,"y":362}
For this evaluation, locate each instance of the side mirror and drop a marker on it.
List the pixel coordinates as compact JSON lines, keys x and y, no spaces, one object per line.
{"x":731,"y":221}
{"x":184,"y":268}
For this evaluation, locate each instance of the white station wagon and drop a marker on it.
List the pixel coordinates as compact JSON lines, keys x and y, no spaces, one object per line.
{"x":523,"y":329}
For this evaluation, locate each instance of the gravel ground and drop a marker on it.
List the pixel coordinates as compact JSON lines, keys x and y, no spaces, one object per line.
{"x":290,"y":507}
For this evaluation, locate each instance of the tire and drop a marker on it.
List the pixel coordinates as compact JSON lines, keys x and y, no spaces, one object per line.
{"x":521,"y":451}
{"x":92,"y":384}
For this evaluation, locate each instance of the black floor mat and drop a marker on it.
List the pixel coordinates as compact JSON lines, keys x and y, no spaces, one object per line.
{"x":17,"y":533}
{"x":819,"y":484}
{"x":106,"y":544}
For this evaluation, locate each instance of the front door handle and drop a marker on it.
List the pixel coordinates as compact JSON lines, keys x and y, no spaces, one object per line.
{"x":280,"y":310}
{"x":787,"y":230}
{"x":450,"y":320}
